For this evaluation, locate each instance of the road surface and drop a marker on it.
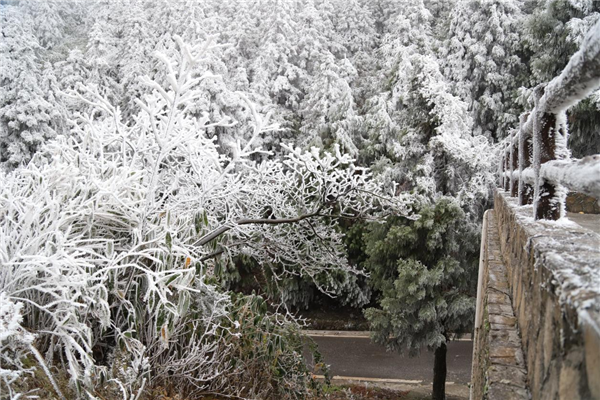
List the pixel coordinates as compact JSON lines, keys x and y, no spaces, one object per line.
{"x":356,"y":356}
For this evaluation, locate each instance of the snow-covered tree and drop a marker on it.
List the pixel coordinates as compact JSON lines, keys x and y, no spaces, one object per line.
{"x":329,"y":106}
{"x":485,"y":60}
{"x":427,"y":288}
{"x":436,"y":156}
{"x":110,"y":234}
{"x":48,"y":23}
{"x":15,"y":344}
{"x":353,"y":32}
{"x":423,"y":128}
{"x":162,"y":173}
{"x":420,"y":135}
{"x":27,"y":118}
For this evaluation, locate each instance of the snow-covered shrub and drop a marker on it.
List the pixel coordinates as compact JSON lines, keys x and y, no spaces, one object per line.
{"x":15,"y":344}
{"x":266,"y":357}
{"x":108,"y":236}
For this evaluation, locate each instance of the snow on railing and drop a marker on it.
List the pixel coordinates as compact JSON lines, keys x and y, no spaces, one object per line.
{"x":536,"y":165}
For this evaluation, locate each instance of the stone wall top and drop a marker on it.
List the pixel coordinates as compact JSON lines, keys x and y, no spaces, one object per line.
{"x":569,"y":251}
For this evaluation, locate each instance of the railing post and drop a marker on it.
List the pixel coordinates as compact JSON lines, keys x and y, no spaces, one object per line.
{"x":514,"y":166}
{"x":501,"y":171}
{"x":525,"y":190}
{"x":549,"y":200}
{"x":506,"y":168}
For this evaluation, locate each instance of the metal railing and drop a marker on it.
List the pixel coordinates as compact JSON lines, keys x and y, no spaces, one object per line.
{"x":536,"y":165}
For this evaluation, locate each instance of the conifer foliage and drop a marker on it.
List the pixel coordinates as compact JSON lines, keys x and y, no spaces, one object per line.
{"x":27,"y":117}
{"x":425,"y":272}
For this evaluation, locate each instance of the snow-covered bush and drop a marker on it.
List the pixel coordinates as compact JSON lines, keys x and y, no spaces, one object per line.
{"x":15,"y":344}
{"x":108,"y":236}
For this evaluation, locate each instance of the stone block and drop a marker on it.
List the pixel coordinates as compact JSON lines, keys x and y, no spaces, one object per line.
{"x":496,"y":273}
{"x":524,"y":319}
{"x":591,"y":340}
{"x":507,"y":375}
{"x":498,"y":298}
{"x":506,"y":336}
{"x":578,"y":202}
{"x":499,"y":285}
{"x":506,"y":392}
{"x":550,"y":387}
{"x":549,"y":334}
{"x":571,"y":378}
{"x":502,"y":320}
{"x":536,"y":374}
{"x":503,"y":355}
{"x":568,"y":386}
{"x":501,"y":309}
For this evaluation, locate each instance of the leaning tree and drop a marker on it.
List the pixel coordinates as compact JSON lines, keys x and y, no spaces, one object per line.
{"x":108,"y":239}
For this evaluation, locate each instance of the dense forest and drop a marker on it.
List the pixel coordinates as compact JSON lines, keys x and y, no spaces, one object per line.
{"x":179,"y":178}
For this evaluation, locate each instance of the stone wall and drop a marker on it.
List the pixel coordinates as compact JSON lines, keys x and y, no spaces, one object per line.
{"x":554,"y":278}
{"x":498,"y":363}
{"x":580,"y":203}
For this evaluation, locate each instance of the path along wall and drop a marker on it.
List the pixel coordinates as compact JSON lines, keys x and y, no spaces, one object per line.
{"x":499,"y":371}
{"x":553,"y":274}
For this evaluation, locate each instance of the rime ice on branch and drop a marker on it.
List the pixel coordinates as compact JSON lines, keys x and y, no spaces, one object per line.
{"x":112,"y":232}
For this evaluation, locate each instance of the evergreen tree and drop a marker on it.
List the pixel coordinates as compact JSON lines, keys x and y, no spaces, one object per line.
{"x":328,"y":106}
{"x":425,"y":272}
{"x":48,"y":23}
{"x":27,"y":118}
{"x":353,"y":30}
{"x":422,"y":271}
{"x":484,"y":59}
{"x":415,"y":90}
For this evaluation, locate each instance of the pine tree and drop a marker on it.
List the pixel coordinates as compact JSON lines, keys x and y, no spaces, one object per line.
{"x":422,"y":271}
{"x":425,"y":272}
{"x":328,"y":106}
{"x":485,"y":61}
{"x":27,"y":118}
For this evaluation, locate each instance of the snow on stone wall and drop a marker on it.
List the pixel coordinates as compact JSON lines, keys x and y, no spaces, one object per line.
{"x":554,"y":283}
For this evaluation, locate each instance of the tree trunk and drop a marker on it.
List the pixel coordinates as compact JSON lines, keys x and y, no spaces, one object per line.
{"x":439,"y":373}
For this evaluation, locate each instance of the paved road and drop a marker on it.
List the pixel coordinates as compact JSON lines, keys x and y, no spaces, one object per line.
{"x":358,"y":357}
